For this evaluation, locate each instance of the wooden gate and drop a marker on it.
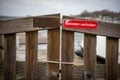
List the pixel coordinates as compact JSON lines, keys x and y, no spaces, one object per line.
{"x":31,"y":26}
{"x":112,"y":34}
{"x":54,"y":66}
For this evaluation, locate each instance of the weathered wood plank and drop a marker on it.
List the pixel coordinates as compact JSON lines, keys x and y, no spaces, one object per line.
{"x":90,"y":56}
{"x":111,"y":58}
{"x":51,"y":20}
{"x":47,"y":21}
{"x":1,"y":46}
{"x":10,"y":57}
{"x":31,"y":55}
{"x":104,"y":29}
{"x":53,"y":53}
{"x":67,"y":54}
{"x":16,"y":25}
{"x":29,"y":24}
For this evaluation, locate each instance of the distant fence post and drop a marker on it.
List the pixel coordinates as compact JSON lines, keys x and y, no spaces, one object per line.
{"x":31,"y":55}
{"x":10,"y":57}
{"x":90,"y":57}
{"x":53,"y":53}
{"x":67,"y":54}
{"x":1,"y":46}
{"x":111,"y":58}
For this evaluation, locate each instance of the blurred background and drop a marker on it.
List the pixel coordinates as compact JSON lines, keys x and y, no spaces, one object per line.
{"x":101,"y":10}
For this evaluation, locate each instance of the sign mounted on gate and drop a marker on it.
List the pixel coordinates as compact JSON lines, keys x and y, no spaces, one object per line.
{"x":80,"y":24}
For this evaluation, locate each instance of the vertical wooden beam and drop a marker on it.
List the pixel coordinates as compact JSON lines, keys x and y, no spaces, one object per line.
{"x":90,"y":57}
{"x":53,"y":53}
{"x":10,"y":57}
{"x":67,"y":54}
{"x":31,"y":55}
{"x":111,"y":58}
{"x":1,"y":46}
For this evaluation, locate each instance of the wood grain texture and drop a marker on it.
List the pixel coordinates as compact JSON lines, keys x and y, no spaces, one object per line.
{"x":31,"y":55}
{"x":10,"y":57}
{"x":17,"y":25}
{"x":67,"y":54}
{"x":111,"y":58}
{"x":29,"y":24}
{"x":46,"y":21}
{"x":104,"y":29}
{"x":90,"y":56}
{"x":53,"y":53}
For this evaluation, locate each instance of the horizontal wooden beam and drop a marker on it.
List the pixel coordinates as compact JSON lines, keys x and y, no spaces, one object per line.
{"x":104,"y":29}
{"x":29,"y":24}
{"x":46,"y":21}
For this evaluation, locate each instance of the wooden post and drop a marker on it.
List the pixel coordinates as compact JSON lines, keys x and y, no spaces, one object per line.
{"x":90,"y":57}
{"x":111,"y":58}
{"x":10,"y":57}
{"x":31,"y":55}
{"x":67,"y":54}
{"x":1,"y":46}
{"x":53,"y":53}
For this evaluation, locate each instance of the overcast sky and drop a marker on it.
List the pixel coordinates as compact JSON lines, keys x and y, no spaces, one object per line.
{"x":67,"y":7}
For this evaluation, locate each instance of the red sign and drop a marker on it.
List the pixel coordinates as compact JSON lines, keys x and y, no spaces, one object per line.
{"x":84,"y":24}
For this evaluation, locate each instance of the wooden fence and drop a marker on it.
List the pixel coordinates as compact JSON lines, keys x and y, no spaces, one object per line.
{"x":32,"y":25}
{"x":112,"y":34}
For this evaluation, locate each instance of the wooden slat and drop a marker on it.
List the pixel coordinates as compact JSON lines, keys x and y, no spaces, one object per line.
{"x":1,"y":46}
{"x":90,"y":56}
{"x":111,"y":58}
{"x":104,"y":29}
{"x":29,"y":24}
{"x":10,"y":57}
{"x":31,"y":55}
{"x":42,"y":70}
{"x":53,"y":53}
{"x":79,"y":72}
{"x":67,"y":54}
